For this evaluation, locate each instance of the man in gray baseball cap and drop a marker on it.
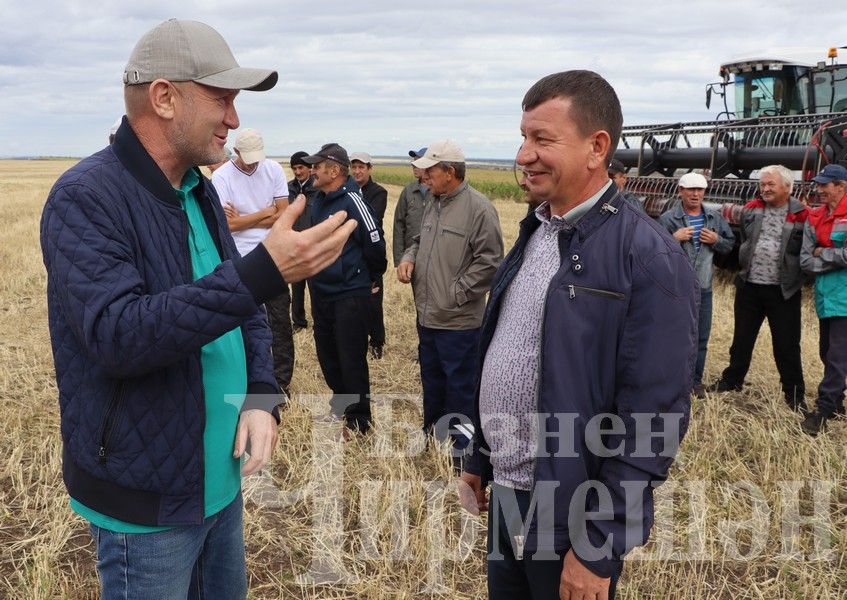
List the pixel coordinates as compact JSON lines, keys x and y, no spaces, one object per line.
{"x":160,"y":343}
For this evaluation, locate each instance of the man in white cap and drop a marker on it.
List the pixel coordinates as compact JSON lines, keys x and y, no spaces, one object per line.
{"x":702,"y":232}
{"x":253,"y":192}
{"x":160,"y":342}
{"x":451,"y":264}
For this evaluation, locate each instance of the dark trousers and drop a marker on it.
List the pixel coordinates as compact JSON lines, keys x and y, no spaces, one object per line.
{"x":754,"y":303}
{"x":377,"y":331}
{"x":510,"y":578}
{"x":298,"y":304}
{"x":341,"y":341}
{"x":448,"y":376}
{"x":704,"y":329}
{"x":283,"y":338}
{"x":833,"y":351}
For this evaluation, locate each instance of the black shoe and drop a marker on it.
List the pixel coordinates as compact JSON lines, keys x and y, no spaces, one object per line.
{"x":799,"y":407}
{"x":376,"y":352}
{"x":722,"y":385}
{"x":814,"y":424}
{"x":699,"y":390}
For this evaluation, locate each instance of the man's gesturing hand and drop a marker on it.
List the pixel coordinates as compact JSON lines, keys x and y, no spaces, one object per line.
{"x":301,"y":254}
{"x":579,"y":583}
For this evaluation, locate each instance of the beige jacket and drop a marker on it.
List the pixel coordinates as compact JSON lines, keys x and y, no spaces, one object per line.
{"x":456,"y":255}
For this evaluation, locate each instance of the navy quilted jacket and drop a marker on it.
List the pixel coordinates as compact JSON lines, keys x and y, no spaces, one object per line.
{"x":127,"y":323}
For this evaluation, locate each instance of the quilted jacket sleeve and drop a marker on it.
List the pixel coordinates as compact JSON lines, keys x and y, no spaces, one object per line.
{"x":96,"y":285}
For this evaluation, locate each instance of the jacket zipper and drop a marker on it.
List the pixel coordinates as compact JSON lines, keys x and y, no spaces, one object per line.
{"x":520,"y":540}
{"x":429,"y":260}
{"x":573,"y":289}
{"x":109,"y":422}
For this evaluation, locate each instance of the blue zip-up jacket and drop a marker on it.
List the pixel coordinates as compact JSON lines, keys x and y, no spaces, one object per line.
{"x":619,"y":336}
{"x":127,"y":323}
{"x":362,"y":260}
{"x":702,"y":261}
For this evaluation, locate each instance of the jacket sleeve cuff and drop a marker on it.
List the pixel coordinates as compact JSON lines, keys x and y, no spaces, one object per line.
{"x":605,"y":567}
{"x":263,"y":396}
{"x":259,"y":273}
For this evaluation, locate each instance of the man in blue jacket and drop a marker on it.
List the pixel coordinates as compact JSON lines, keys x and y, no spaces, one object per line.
{"x":341,"y":293}
{"x":702,"y":233}
{"x":587,"y":349}
{"x":161,"y":347}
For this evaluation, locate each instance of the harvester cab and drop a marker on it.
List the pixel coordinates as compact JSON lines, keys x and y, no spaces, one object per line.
{"x":787,"y":112}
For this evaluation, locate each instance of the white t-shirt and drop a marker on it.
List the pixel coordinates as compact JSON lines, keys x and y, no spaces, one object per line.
{"x":250,"y":193}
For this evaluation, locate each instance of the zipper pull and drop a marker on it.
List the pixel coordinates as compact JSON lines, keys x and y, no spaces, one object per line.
{"x":101,"y":455}
{"x":519,"y":544}
{"x":609,"y":208}
{"x":571,"y":291}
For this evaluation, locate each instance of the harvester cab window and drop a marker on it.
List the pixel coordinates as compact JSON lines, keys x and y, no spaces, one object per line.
{"x":831,"y":90}
{"x":764,"y":95}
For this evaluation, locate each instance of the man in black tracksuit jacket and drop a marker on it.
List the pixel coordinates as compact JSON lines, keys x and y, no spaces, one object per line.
{"x":341,"y":292}
{"x":301,"y":184}
{"x":376,"y":197}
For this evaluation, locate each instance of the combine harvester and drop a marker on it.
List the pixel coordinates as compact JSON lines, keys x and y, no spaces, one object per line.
{"x":787,"y":112}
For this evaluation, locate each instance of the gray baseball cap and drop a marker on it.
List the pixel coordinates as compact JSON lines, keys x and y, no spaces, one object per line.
{"x":192,"y":51}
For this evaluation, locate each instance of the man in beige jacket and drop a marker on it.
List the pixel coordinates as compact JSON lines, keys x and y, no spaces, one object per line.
{"x":451,"y":264}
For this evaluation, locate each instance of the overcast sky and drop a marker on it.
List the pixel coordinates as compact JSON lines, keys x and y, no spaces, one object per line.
{"x":386,"y":76}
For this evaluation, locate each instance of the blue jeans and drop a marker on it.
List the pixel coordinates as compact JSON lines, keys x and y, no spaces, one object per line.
{"x":190,"y":562}
{"x":704,"y":328}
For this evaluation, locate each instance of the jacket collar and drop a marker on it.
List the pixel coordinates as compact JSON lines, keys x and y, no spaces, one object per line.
{"x":135,"y":159}
{"x":348,"y":186}
{"x":446,"y":197}
{"x":596,"y":215}
{"x":794,"y":205}
{"x":305,"y":185}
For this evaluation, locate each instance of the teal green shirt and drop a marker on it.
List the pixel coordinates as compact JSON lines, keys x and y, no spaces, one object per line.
{"x":224,"y":364}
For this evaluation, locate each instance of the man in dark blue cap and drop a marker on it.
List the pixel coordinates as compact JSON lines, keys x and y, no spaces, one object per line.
{"x":824,"y":255}
{"x":408,"y":212}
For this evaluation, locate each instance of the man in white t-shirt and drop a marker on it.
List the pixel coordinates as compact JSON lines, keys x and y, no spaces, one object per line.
{"x":254,"y":193}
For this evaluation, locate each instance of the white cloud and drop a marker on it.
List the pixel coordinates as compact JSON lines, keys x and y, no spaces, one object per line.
{"x":381,"y":78}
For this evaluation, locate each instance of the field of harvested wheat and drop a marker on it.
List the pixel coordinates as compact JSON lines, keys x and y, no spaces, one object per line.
{"x":754,"y":509}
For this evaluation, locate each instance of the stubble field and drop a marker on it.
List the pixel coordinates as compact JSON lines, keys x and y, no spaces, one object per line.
{"x":754,"y":509}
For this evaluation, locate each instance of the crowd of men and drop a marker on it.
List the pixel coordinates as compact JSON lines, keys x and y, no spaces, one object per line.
{"x":168,"y":299}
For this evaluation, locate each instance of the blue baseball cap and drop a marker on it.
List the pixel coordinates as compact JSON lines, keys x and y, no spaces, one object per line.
{"x":417,"y":153}
{"x":831,"y":173}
